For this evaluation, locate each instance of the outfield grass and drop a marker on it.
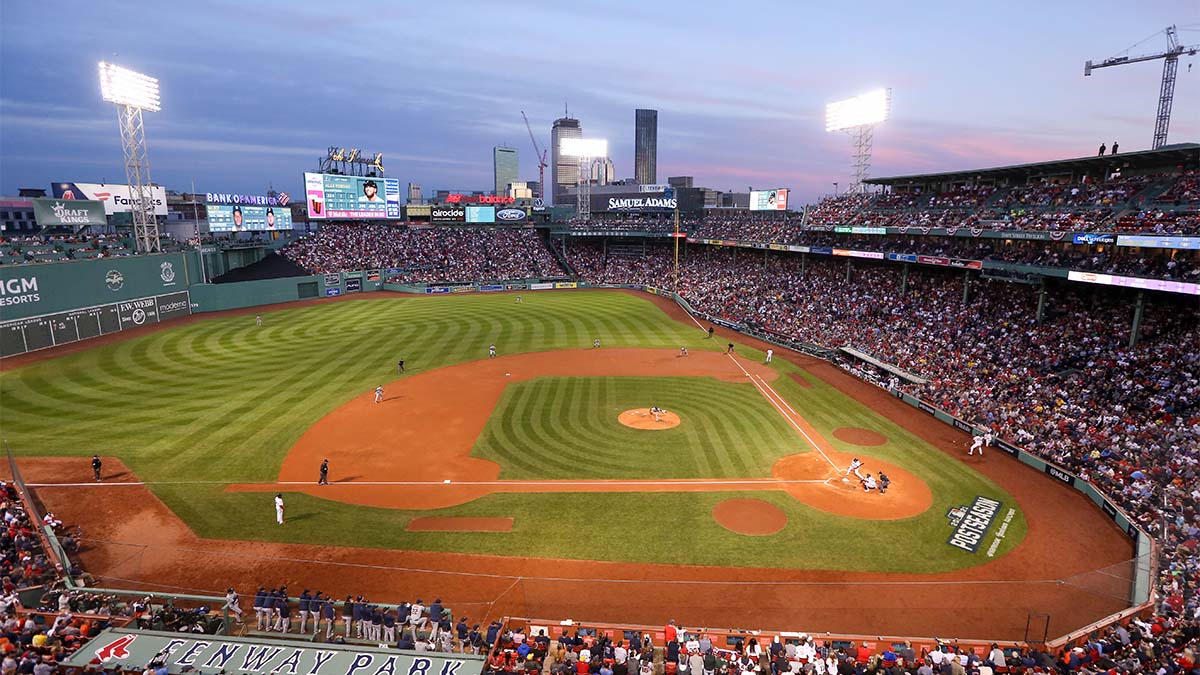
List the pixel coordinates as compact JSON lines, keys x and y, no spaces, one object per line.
{"x":222,"y":400}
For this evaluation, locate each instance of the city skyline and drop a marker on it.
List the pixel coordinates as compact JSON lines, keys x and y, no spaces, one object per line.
{"x":745,"y":102}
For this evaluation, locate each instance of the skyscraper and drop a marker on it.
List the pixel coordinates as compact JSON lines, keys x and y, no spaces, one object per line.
{"x":414,"y":194}
{"x":564,"y":171}
{"x":504,"y":164}
{"x":645,"y":146}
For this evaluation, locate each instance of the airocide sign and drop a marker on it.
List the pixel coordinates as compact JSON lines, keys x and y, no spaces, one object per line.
{"x":452,"y":214}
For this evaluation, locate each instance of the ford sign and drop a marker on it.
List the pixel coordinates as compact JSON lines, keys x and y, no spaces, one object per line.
{"x":510,"y":214}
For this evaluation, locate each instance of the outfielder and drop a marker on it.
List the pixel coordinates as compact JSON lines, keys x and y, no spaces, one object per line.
{"x":258,"y":319}
{"x":976,"y":444}
{"x":379,"y":394}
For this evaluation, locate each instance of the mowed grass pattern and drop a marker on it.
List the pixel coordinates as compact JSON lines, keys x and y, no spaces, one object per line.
{"x":566,"y":427}
{"x":194,"y":407}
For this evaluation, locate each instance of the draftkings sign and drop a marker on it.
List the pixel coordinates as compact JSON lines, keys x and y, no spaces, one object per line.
{"x":133,"y":650}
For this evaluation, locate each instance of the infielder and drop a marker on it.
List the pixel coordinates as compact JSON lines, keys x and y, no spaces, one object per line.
{"x":279,"y":507}
{"x":596,"y":343}
{"x":683,"y":351}
{"x":770,"y":355}
{"x":258,"y":319}
{"x":976,"y":444}
{"x":379,"y":394}
{"x":492,"y":351}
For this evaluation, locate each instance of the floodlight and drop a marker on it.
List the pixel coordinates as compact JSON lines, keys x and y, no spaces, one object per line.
{"x":583,"y":147}
{"x":126,"y":87}
{"x":872,"y":107}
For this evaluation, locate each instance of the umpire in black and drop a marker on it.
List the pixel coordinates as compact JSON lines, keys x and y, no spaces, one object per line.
{"x":324,"y":480}
{"x":96,"y":464}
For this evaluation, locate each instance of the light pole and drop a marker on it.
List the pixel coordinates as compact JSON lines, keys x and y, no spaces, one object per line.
{"x":134,"y":92}
{"x":858,"y":117}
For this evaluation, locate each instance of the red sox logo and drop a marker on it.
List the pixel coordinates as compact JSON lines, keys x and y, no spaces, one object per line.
{"x":117,"y":649}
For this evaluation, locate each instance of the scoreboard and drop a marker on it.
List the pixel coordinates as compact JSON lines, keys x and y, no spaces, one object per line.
{"x":359,"y":197}
{"x":40,"y":332}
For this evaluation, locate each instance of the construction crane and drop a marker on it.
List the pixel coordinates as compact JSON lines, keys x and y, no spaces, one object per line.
{"x":1167,"y":92}
{"x":541,"y":156}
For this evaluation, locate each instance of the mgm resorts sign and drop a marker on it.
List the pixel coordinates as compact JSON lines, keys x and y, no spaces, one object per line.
{"x":135,"y":650}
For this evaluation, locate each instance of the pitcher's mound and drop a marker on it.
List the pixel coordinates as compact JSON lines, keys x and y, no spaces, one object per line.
{"x":640,"y":418}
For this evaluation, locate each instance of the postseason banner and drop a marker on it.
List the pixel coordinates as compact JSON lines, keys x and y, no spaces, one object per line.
{"x":769,"y":200}
{"x":225,"y":218}
{"x":336,"y":196}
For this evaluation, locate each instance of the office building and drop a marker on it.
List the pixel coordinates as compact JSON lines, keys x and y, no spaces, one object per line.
{"x":504,"y":167}
{"x":603,"y":172}
{"x":645,"y":146}
{"x":414,"y":193}
{"x":680,"y":181}
{"x":564,"y":171}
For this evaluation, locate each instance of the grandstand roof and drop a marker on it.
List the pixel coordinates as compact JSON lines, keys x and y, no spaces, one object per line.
{"x":1168,"y":156}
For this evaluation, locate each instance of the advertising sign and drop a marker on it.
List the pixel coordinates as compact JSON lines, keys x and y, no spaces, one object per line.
{"x":1094,"y":238}
{"x":115,"y":197}
{"x":336,"y":196}
{"x":248,"y":218}
{"x":50,"y":330}
{"x":1184,"y":287}
{"x":481,"y":214}
{"x":353,"y":284}
{"x":769,"y":200}
{"x":68,"y":213}
{"x":1152,"y":241}
{"x":417,"y":210}
{"x":511,"y":215}
{"x":452,"y":214}
{"x":280,"y":199}
{"x":634,"y":202}
{"x":126,"y":649}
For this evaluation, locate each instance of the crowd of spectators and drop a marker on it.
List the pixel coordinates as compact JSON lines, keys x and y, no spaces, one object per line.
{"x":1068,"y":388}
{"x":426,"y":254}
{"x":58,"y":248}
{"x":23,"y":562}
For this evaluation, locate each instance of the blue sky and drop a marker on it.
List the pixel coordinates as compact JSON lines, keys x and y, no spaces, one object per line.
{"x":253,"y":92}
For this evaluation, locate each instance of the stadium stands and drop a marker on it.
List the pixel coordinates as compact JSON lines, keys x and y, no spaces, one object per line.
{"x":426,"y":254}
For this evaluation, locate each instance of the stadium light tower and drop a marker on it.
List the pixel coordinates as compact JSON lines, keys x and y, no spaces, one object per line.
{"x":858,"y":117}
{"x":586,"y":150}
{"x":133,"y":93}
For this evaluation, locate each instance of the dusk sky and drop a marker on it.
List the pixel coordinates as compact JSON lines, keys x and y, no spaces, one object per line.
{"x":253,"y":92}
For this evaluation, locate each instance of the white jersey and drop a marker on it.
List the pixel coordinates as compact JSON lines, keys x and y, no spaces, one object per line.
{"x":869,"y":482}
{"x":855,"y":464}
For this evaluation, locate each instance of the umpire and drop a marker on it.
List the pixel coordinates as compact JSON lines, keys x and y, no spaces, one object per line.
{"x":96,"y":464}
{"x":324,"y":480}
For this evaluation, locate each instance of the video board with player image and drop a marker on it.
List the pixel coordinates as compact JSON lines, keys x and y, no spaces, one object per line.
{"x":769,"y":200}
{"x":365,"y":197}
{"x":246,"y":218}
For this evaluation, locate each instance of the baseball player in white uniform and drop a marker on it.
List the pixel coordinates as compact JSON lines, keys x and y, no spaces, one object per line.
{"x":379,"y":394}
{"x":491,"y":351}
{"x":596,"y":343}
{"x":770,"y":355}
{"x":976,"y":444}
{"x":989,"y":437}
{"x":657,"y":412}
{"x":868,"y":483}
{"x":683,"y":351}
{"x":279,"y":507}
{"x":855,"y":464}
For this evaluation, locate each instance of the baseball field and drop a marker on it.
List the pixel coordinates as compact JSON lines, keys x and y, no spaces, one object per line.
{"x":543,"y":463}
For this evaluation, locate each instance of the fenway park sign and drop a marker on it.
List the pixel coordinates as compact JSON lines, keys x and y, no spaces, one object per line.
{"x":134,"y":650}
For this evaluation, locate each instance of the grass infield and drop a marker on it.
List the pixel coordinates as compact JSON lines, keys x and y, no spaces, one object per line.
{"x":223,"y":401}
